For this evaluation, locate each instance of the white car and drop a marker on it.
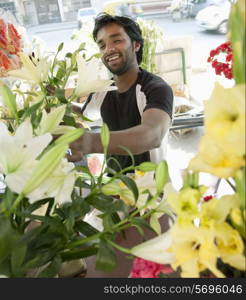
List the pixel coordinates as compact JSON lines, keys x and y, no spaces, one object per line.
{"x":214,"y":17}
{"x":86,"y":15}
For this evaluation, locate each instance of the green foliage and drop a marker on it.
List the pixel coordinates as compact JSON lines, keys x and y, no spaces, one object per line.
{"x":152,"y":35}
{"x":237,"y":37}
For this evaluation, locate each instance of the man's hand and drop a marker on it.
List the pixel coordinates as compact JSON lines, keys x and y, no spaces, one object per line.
{"x":77,"y":148}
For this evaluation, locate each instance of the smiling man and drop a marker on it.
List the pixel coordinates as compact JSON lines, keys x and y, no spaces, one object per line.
{"x":139,"y":112}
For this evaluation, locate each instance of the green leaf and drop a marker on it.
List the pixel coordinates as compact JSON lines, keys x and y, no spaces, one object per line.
{"x":79,"y":253}
{"x":106,"y":258}
{"x":8,"y":238}
{"x":8,"y":199}
{"x":130,"y":183}
{"x":100,"y":202}
{"x":17,"y":258}
{"x":32,"y":207}
{"x":107,"y":221}
{"x":161,"y":176}
{"x":130,"y":155}
{"x":31,"y":110}
{"x":60,"y":73}
{"x":60,"y":94}
{"x":105,"y":136}
{"x":52,"y":269}
{"x":85,"y":228}
{"x":69,"y":121}
{"x":84,"y":118}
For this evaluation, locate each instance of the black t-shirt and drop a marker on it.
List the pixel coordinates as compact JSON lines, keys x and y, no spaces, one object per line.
{"x":123,"y":110}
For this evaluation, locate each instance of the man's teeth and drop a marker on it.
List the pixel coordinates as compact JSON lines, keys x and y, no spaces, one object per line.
{"x":113,"y":57}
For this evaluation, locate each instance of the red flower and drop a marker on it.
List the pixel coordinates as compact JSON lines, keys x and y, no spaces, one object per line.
{"x":142,"y":268}
{"x":222,"y":67}
{"x":10,"y":46}
{"x":10,"y":40}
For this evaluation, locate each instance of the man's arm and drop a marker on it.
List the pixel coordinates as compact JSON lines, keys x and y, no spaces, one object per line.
{"x":138,"y":139}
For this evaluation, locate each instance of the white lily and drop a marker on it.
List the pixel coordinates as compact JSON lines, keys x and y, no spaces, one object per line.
{"x":35,"y":70}
{"x":156,"y":249}
{"x":50,"y":122}
{"x":88,"y":82}
{"x":58,"y":185}
{"x":145,"y":181}
{"x":19,"y":151}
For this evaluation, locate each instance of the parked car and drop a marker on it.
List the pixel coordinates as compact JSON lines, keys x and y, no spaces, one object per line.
{"x":214,"y":17}
{"x":85,"y":15}
{"x":183,"y":9}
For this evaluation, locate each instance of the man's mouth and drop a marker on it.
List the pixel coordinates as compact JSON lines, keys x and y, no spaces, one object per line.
{"x":113,"y":58}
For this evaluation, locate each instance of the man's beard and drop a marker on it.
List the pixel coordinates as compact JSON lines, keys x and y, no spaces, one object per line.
{"x":121,"y":70}
{"x":125,"y":65}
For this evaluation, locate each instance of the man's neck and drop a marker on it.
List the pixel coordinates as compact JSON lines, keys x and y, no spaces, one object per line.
{"x":126,"y":80}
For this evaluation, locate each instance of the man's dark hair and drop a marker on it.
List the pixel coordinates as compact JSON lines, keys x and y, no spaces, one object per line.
{"x":130,"y":26}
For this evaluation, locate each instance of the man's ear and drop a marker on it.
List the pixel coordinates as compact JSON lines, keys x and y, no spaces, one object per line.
{"x":137,"y":46}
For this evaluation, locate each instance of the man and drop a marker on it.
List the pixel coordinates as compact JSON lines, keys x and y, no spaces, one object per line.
{"x":139,"y":112}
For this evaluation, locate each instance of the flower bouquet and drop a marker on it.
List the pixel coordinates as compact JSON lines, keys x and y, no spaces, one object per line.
{"x":207,"y":232}
{"x":45,"y":200}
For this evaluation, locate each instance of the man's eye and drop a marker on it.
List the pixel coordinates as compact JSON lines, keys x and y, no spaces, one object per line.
{"x":101,"y":47}
{"x":117,"y":41}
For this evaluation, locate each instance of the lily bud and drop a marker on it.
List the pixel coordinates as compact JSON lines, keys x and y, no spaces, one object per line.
{"x":9,"y":99}
{"x":45,"y":167}
{"x":70,"y":137}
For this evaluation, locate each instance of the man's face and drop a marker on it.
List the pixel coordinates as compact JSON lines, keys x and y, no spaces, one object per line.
{"x":119,"y":52}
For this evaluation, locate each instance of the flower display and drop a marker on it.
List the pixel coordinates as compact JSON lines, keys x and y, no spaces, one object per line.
{"x":46,"y":200}
{"x":206,"y":236}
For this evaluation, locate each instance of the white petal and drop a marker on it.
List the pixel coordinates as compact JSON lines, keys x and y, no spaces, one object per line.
{"x":65,"y":192}
{"x":24,"y":132}
{"x":154,"y":249}
{"x":50,"y":121}
{"x":16,"y":181}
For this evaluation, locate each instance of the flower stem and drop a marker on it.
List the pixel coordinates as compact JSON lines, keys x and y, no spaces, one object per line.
{"x":122,"y":249}
{"x":17,"y":201}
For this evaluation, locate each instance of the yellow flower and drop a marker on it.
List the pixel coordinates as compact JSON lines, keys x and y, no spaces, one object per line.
{"x":194,"y":250}
{"x":116,"y":187}
{"x":225,"y":118}
{"x":230,"y":245}
{"x":213,"y":158}
{"x":217,"y":210}
{"x":236,"y":216}
{"x":185,"y":203}
{"x":144,"y":181}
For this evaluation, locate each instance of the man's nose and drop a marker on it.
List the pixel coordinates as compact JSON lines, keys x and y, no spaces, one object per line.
{"x":109,"y":49}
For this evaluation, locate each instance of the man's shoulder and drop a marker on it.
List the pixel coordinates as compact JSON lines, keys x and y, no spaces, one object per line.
{"x":149,"y":80}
